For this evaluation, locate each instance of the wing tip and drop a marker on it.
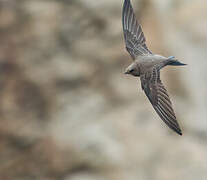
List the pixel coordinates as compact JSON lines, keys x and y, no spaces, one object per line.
{"x":179,"y":132}
{"x":176,"y":129}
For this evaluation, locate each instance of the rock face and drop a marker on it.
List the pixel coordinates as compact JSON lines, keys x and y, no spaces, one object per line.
{"x":67,"y":110}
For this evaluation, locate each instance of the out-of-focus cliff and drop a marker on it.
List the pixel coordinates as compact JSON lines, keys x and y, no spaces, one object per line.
{"x":68,"y":111}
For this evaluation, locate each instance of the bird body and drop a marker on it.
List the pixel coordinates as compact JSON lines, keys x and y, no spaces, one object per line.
{"x":146,"y":63}
{"x":147,"y":66}
{"x":143,"y":64}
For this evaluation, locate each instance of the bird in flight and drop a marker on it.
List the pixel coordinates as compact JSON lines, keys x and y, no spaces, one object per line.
{"x":147,"y":66}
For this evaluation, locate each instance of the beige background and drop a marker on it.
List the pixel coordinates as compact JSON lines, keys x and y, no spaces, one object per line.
{"x":67,"y":110}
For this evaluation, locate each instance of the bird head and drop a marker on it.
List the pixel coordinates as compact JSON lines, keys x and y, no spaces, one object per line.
{"x":132,"y":69}
{"x":128,"y":71}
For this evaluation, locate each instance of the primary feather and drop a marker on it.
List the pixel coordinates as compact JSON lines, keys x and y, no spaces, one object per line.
{"x":133,"y":34}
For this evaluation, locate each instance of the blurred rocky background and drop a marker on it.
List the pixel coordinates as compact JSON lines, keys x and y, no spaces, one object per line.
{"x":67,"y":111}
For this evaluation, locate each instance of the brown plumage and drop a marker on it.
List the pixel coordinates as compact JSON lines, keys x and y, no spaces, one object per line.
{"x":147,"y":66}
{"x":133,"y":34}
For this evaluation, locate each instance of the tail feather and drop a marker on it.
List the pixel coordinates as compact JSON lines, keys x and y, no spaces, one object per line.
{"x":175,"y":63}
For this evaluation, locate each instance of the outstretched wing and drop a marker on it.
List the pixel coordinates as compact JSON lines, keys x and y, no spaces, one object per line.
{"x":158,"y":96}
{"x":133,"y":35}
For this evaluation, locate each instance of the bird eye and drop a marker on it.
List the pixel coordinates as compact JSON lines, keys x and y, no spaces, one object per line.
{"x":131,"y":70}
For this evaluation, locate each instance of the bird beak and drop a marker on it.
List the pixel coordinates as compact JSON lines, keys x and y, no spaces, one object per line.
{"x":126,"y":72}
